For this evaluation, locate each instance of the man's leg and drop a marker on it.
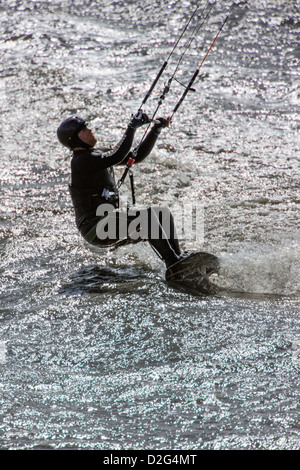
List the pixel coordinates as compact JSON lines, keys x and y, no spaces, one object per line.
{"x":166,"y":220}
{"x":154,"y":224}
{"x":157,"y":226}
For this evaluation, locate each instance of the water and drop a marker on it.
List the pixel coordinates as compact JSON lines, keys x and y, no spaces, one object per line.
{"x":96,"y":352}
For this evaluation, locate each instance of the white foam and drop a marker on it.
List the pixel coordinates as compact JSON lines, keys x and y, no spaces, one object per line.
{"x":2,"y":352}
{"x":262,"y":269}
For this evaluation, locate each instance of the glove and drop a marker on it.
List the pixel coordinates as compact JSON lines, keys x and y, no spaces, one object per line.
{"x":161,"y":123}
{"x":139,"y":120}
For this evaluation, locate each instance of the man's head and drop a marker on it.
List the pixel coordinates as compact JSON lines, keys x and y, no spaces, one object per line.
{"x":73,"y":133}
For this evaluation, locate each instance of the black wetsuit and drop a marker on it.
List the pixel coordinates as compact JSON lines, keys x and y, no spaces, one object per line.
{"x":93,"y":184}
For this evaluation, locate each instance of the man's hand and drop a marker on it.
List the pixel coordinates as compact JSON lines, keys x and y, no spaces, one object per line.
{"x":139,"y":120}
{"x":162,"y":122}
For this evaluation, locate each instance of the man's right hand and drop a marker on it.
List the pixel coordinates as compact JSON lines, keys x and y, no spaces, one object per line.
{"x":139,"y":120}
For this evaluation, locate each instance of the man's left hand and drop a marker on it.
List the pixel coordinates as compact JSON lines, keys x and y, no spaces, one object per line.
{"x":163,"y":122}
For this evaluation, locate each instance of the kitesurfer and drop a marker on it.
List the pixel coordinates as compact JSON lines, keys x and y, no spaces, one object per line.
{"x":94,"y":192}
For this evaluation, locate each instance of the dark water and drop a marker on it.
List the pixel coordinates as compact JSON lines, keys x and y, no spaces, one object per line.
{"x":96,"y":352}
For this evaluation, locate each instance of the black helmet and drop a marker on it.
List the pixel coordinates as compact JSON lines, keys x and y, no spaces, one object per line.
{"x":67,"y":132}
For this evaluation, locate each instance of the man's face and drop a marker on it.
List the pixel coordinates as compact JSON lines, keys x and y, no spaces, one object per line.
{"x":87,"y":136}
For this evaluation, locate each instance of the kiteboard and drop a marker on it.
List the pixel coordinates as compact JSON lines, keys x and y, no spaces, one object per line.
{"x":193,"y":272}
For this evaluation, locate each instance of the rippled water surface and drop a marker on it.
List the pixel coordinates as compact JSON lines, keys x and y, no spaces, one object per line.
{"x":96,"y":351}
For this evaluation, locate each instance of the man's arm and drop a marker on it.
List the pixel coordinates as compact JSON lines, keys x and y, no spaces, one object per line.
{"x":120,"y":152}
{"x":146,"y":146}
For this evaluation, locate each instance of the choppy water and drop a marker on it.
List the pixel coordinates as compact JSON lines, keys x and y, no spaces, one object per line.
{"x":96,"y":352}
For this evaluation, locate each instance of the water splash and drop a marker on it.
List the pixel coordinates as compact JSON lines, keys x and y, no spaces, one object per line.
{"x":258,"y":269}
